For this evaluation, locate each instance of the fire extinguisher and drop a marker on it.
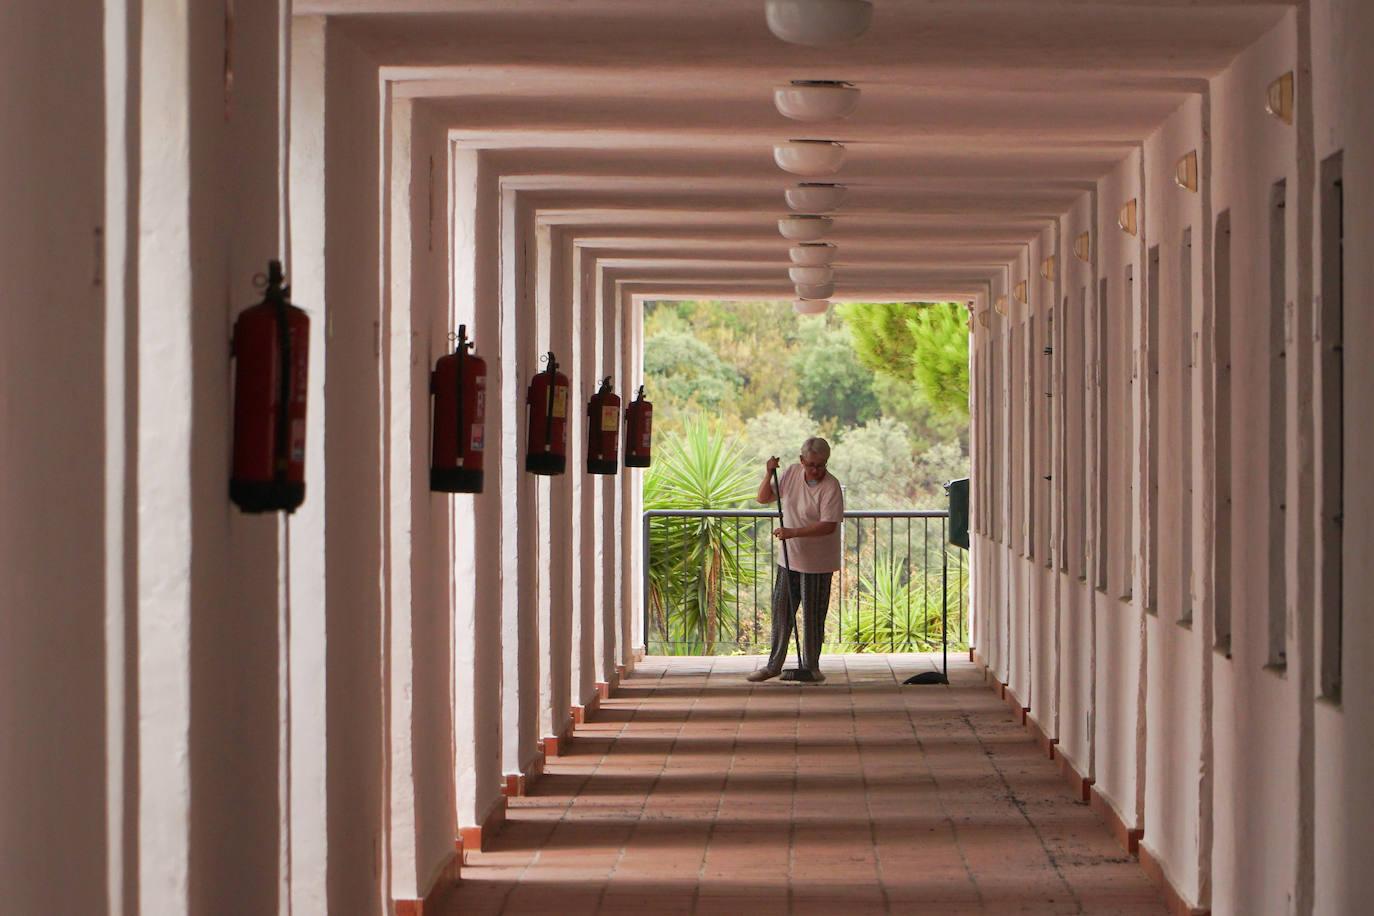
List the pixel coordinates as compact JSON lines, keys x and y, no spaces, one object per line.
{"x":271,"y":349}
{"x":459,"y":386}
{"x":546,"y":413}
{"x":603,"y":430}
{"x":639,"y":427}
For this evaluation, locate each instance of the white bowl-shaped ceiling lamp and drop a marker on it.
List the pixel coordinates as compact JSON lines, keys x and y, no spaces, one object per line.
{"x":811,"y":275}
{"x":804,"y":227}
{"x":815,"y":196}
{"x":816,"y":100}
{"x":810,"y":306}
{"x":812,"y":254}
{"x":815,"y":290}
{"x":818,"y":22}
{"x":809,"y":158}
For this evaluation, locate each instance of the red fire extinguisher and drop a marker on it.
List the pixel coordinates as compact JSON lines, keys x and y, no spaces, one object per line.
{"x":546,"y":413}
{"x":459,"y":386}
{"x":271,"y":349}
{"x":639,"y":427}
{"x":603,"y":430}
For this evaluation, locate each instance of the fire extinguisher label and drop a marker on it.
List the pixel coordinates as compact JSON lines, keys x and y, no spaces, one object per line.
{"x":476,"y":443}
{"x":560,"y":402}
{"x":610,"y":417}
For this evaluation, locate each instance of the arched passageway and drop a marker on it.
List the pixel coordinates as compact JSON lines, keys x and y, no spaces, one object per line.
{"x":1156,"y":211}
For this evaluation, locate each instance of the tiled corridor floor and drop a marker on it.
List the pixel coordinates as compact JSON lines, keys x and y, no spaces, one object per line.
{"x":695,"y":792}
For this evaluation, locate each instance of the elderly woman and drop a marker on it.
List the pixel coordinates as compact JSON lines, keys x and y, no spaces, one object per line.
{"x":813,"y":508}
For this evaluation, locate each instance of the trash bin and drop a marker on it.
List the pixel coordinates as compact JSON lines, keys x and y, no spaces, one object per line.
{"x":958,"y":511}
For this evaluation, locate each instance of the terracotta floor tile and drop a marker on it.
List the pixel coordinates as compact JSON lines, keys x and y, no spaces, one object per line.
{"x":695,"y":792}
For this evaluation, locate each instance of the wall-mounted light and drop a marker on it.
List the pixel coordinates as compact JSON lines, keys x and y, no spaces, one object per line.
{"x":1185,"y":171}
{"x":1047,"y":268}
{"x":1126,"y":218}
{"x":1278,"y":100}
{"x":1019,"y":291}
{"x":816,"y":100}
{"x":804,"y":227}
{"x":1083,"y":247}
{"x":810,"y":306}
{"x":815,"y":290}
{"x":815,"y":196}
{"x":809,"y":158}
{"x":812,"y":254}
{"x":818,"y":22}
{"x":1000,"y":306}
{"x":811,"y":275}
{"x":985,"y":318}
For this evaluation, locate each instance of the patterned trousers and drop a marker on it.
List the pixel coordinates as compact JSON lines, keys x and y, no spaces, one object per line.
{"x":812,"y":590}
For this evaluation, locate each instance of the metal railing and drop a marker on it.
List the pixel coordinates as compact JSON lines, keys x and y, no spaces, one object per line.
{"x":708,"y":576}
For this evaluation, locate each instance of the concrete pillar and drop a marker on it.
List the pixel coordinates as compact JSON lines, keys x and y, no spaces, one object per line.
{"x":57,"y":521}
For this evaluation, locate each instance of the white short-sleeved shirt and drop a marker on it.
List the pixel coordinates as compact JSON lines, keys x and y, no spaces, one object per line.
{"x":803,"y":506}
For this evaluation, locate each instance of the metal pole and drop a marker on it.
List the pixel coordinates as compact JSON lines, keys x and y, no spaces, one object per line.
{"x":787,"y":578}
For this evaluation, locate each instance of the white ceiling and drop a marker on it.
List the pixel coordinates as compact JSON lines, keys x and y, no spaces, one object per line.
{"x":646,"y":126}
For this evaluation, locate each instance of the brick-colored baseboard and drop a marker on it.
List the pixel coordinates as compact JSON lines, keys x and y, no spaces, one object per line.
{"x":1080,"y":784}
{"x":1047,"y":744}
{"x":1083,"y":786}
{"x":1128,"y":837}
{"x":430,"y":903}
{"x":557,"y":745}
{"x":1172,"y":898}
{"x":474,"y":839}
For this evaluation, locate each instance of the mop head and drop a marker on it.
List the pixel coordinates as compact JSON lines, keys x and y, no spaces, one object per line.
{"x":927,"y":677}
{"x":803,"y":675}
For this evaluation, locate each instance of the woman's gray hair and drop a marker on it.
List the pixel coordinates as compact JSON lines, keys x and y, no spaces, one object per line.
{"x":817,"y":448}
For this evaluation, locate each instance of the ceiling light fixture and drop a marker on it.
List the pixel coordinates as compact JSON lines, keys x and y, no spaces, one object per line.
{"x":1126,"y":219}
{"x":811,"y":275}
{"x":810,"y":306}
{"x":815,"y":290}
{"x":818,"y":22}
{"x":804,"y":227}
{"x":809,"y":158}
{"x":1278,"y":99}
{"x":815,"y":196}
{"x":1185,"y":171}
{"x":1083,"y":247}
{"x":812,"y":254}
{"x":816,"y":100}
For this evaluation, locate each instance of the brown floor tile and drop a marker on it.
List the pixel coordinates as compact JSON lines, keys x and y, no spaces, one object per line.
{"x":697,"y":793}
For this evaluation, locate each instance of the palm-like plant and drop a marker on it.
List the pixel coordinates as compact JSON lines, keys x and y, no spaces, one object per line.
{"x":899,"y":612}
{"x":697,"y":565}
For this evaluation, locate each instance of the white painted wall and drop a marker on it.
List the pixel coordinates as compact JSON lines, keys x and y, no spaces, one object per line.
{"x":1239,"y":774}
{"x":1178,"y":656}
{"x":355,"y":681}
{"x":52,"y":473}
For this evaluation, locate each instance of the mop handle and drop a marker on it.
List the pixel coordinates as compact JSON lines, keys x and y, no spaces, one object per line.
{"x":787,"y":569}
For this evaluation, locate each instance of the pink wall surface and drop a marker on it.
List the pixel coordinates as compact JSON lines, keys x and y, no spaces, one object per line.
{"x":353,"y":548}
{"x":52,"y":495}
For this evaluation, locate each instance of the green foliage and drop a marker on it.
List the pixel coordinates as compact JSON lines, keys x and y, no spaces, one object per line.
{"x":900,"y":610}
{"x":687,"y":375}
{"x":925,"y":345}
{"x":875,"y":465}
{"x":697,"y":566}
{"x":784,"y":377}
{"x":832,"y":384}
{"x":778,"y":433}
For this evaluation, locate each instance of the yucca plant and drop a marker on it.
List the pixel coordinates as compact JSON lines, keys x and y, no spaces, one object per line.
{"x":697,"y":566}
{"x":901,"y":612}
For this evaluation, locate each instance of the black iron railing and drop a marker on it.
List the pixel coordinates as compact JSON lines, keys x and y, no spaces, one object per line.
{"x":708,"y":578}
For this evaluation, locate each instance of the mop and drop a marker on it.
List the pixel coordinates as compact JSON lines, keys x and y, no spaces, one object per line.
{"x":801,"y":673}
